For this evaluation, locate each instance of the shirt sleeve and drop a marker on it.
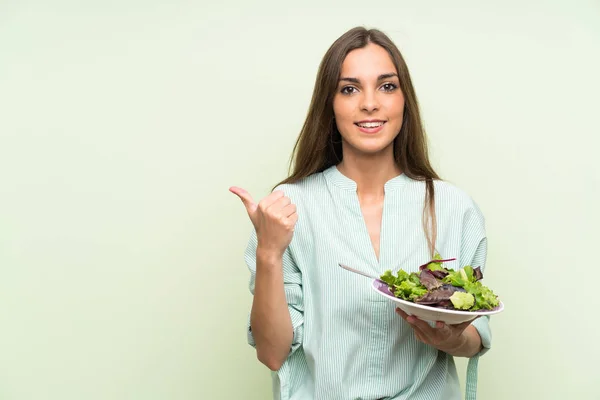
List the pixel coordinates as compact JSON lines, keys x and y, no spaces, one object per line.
{"x":474,"y":253}
{"x":292,"y":279}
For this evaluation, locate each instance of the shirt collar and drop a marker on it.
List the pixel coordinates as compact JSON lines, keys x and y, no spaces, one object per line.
{"x":333,"y":175}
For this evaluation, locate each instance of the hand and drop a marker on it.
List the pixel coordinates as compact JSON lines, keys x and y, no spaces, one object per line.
{"x":447,"y":338}
{"x":274,"y":219}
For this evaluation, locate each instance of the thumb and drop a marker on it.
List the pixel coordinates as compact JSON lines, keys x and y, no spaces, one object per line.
{"x":246,"y":199}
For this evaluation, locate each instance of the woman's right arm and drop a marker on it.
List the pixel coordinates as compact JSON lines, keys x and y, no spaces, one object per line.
{"x":273,"y":308}
{"x":270,"y":319}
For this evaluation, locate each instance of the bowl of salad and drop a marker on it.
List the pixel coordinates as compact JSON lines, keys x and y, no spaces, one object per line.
{"x":437,"y":293}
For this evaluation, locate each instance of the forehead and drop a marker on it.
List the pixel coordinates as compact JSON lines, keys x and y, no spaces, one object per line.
{"x":368,"y":62}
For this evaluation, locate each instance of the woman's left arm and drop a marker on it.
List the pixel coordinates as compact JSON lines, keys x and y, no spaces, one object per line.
{"x":470,"y":338}
{"x":460,"y":340}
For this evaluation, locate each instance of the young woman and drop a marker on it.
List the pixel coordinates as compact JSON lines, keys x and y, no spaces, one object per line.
{"x":362,"y":193}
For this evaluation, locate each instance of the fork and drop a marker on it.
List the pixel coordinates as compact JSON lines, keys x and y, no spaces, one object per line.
{"x":378,"y":279}
{"x":361,"y":273}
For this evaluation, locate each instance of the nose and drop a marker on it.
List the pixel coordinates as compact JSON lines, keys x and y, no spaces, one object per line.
{"x":369,"y":102}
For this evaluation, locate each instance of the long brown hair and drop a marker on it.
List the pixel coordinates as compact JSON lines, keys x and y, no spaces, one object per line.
{"x":318,"y":146}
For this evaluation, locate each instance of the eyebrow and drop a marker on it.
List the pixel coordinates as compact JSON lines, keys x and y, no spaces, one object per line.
{"x":379,"y":78}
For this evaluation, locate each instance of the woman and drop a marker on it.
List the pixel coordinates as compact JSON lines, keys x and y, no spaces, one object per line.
{"x":363,"y":193}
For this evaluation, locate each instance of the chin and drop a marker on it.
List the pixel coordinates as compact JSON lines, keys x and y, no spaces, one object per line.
{"x":373,"y":148}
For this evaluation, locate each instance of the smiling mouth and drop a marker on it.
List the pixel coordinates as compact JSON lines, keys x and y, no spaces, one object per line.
{"x":376,"y":124}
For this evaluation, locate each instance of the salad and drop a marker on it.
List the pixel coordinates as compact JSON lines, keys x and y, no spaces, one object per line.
{"x":437,"y":286}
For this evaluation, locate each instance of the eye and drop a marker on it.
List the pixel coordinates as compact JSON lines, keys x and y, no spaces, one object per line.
{"x":389,"y":87}
{"x":348,"y":90}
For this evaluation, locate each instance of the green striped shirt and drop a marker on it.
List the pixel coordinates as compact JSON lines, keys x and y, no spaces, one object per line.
{"x":348,"y":343}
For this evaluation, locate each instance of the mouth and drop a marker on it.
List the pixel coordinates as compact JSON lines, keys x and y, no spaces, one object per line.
{"x":371,"y":126}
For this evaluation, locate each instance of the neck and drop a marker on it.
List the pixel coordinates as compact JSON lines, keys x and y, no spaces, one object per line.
{"x":370,"y":172}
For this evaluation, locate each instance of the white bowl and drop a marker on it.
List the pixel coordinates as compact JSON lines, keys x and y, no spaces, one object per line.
{"x":432,"y":314}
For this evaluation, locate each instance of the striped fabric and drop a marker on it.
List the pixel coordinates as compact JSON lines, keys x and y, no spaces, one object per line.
{"x":349,"y":344}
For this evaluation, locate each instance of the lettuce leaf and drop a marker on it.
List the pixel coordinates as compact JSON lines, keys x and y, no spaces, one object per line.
{"x":485,"y":299}
{"x":436,"y":265}
{"x":404,"y":285}
{"x":390,"y":279}
{"x":462,"y":300}
{"x":409,"y":290}
{"x":424,"y":287}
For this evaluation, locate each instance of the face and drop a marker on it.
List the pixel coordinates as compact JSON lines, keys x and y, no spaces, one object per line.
{"x":368,"y":104}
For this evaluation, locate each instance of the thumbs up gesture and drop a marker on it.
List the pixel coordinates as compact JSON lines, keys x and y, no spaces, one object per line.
{"x":274,"y":219}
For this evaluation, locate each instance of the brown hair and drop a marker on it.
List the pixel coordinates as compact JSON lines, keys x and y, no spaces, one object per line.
{"x":316,"y":149}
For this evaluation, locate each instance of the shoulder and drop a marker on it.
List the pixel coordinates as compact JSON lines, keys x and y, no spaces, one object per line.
{"x":457,"y":196}
{"x":451,"y":197}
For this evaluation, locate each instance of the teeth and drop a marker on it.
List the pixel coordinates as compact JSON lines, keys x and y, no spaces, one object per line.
{"x":370,"y":124}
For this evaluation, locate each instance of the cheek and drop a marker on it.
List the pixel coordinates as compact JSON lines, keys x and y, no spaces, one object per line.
{"x":343,"y":111}
{"x":397,"y":107}
{"x":395,"y":113}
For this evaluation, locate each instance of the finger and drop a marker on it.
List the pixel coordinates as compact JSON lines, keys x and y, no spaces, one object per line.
{"x":280,"y":204}
{"x":408,"y":318}
{"x":422,"y":325}
{"x":419,"y":326}
{"x":412,"y":320}
{"x":461,"y":327}
{"x":271,"y":199}
{"x":288,"y":210}
{"x":418,"y":336}
{"x":293,"y":218}
{"x":401,"y":313}
{"x":245,"y":197}
{"x":444,"y":329}
{"x":427,"y":332}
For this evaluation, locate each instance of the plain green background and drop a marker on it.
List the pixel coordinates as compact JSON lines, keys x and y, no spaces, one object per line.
{"x":123,"y":123}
